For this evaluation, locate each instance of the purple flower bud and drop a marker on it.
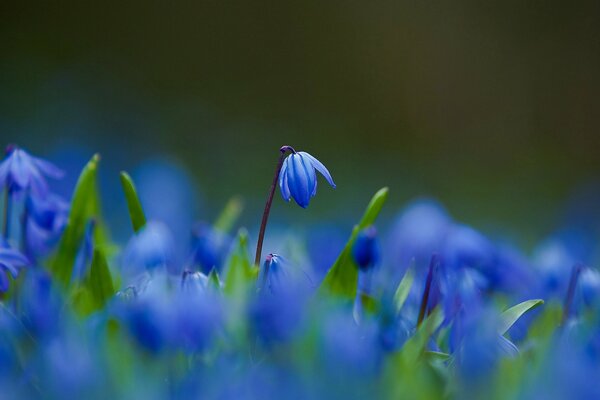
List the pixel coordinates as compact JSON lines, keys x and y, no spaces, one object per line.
{"x":366,"y":248}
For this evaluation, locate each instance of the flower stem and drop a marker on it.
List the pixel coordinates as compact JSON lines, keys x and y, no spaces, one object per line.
{"x":265,"y":217}
{"x":571,"y":292}
{"x":425,"y":298}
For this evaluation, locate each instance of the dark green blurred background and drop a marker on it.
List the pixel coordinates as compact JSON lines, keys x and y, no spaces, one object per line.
{"x":491,"y":108}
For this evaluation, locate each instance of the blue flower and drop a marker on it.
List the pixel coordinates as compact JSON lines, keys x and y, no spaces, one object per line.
{"x":298,"y":178}
{"x":21,"y":171}
{"x":10,"y":262}
{"x":46,"y":219}
{"x":366,"y":249}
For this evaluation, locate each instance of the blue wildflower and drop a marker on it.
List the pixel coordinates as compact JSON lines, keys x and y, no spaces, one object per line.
{"x":21,"y":171}
{"x":10,"y":262}
{"x":366,"y":249}
{"x":298,"y":178}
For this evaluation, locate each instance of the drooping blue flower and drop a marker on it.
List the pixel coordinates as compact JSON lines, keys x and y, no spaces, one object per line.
{"x":46,"y":219}
{"x":21,"y":171}
{"x":209,"y":247}
{"x":366,"y":248}
{"x":11,"y":261}
{"x":298,"y":179}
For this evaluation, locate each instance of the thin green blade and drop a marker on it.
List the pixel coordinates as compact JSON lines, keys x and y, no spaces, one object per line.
{"x":136,"y":212}
{"x":85,"y":205}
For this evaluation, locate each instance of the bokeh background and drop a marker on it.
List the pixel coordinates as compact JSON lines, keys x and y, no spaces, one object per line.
{"x":492,"y":108}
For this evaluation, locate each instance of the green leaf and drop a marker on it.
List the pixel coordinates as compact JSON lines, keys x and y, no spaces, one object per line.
{"x":230,"y":214}
{"x":510,"y":316}
{"x":404,"y":289}
{"x":85,"y":205}
{"x":136,"y":212}
{"x":240,"y":271}
{"x":341,"y":279}
{"x":100,"y":282}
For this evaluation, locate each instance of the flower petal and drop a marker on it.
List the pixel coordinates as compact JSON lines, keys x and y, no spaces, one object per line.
{"x":298,"y":181}
{"x":283,"y":181}
{"x":310,"y":174}
{"x":3,"y":281}
{"x":319,"y":167}
{"x":47,"y":168}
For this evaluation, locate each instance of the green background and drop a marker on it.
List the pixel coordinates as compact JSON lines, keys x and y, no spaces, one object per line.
{"x":492,"y":108}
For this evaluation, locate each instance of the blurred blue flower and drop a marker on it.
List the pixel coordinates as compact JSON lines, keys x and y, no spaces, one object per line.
{"x":589,"y":283}
{"x":11,"y":261}
{"x":197,"y":317}
{"x":366,"y":248}
{"x":465,"y":247}
{"x":276,"y":317}
{"x":46,"y":220}
{"x":41,"y":305}
{"x":21,"y":171}
{"x":480,"y":346}
{"x":298,"y":178}
{"x":209,"y":247}
{"x":348,"y":349}
{"x":417,"y":234}
{"x":194,"y":282}
{"x":151,"y":248}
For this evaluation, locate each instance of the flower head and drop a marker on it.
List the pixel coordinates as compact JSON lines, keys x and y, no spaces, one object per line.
{"x":298,"y":178}
{"x":10,"y":261}
{"x":21,"y":171}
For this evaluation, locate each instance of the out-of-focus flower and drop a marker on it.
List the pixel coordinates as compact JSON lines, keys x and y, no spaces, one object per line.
{"x":276,"y":317}
{"x":479,"y":345}
{"x":193,"y":282}
{"x":21,"y":171}
{"x":417,"y":234}
{"x":150,"y":248}
{"x":46,"y":219}
{"x":366,"y":249}
{"x":85,"y":253}
{"x":41,"y":305}
{"x":465,"y":247}
{"x":10,"y":262}
{"x":196,"y":319}
{"x":349,"y":349}
{"x":298,"y":179}
{"x":589,"y":282}
{"x":209,"y":247}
